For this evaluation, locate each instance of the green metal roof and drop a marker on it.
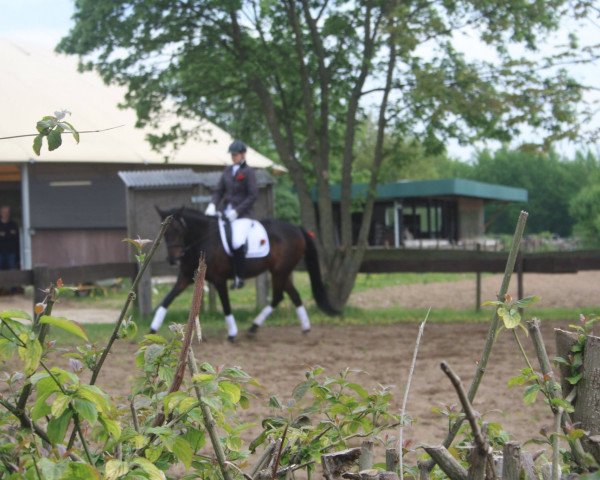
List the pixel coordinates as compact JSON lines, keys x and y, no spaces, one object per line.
{"x":457,"y":187}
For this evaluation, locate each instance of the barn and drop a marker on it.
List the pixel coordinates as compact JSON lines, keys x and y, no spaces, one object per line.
{"x":71,"y":203}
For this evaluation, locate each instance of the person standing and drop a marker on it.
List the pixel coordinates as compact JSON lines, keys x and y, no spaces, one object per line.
{"x":9,"y":242}
{"x":234,"y":197}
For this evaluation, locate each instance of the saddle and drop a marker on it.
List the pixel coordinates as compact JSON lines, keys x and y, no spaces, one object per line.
{"x":256,"y":241}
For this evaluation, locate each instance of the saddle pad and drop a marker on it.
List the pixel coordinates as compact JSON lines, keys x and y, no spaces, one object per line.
{"x":257,"y":240}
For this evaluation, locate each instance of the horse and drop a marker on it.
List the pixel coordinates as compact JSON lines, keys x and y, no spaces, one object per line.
{"x":191,"y":232}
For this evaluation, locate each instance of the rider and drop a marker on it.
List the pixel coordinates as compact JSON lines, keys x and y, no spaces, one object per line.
{"x":234,"y":196}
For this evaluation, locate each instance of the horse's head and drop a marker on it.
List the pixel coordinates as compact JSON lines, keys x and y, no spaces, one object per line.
{"x":175,"y":235}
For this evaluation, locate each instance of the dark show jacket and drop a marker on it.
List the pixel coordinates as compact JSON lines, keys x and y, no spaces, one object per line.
{"x":9,"y":237}
{"x":239,"y":190}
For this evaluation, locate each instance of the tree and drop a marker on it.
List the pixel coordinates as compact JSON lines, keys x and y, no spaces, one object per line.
{"x":585,"y":208}
{"x":305,"y":73}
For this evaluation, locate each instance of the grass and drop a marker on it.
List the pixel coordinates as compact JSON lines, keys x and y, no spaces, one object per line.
{"x":245,"y":307}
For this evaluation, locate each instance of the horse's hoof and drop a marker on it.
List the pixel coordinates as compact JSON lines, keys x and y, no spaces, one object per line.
{"x":237,"y":284}
{"x":152,"y":331}
{"x":231,"y":338}
{"x":306,"y":332}
{"x":252,"y":330}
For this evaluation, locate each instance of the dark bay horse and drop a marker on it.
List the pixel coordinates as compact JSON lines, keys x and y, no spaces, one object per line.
{"x":192,"y":232}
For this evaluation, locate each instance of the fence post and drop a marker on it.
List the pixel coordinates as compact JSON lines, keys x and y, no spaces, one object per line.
{"x":478,"y":286}
{"x":262,"y":289}
{"x":144,"y":291}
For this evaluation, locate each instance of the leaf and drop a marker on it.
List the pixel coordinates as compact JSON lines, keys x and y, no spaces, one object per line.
{"x":275,"y":403}
{"x":57,"y":427}
{"x":95,"y":395}
{"x":54,"y":140}
{"x":574,"y":379}
{"x":7,"y":349}
{"x":183,"y":451}
{"x":15,"y":314}
{"x":86,"y":410}
{"x":301,"y":389}
{"x":64,"y":324}
{"x":489,"y":303}
{"x":527,"y":301}
{"x":31,"y":354}
{"x":232,"y":390}
{"x":530,"y":394}
{"x":510,"y":317}
{"x":111,"y":426}
{"x":359,"y":389}
{"x":60,"y":404}
{"x":153,"y":472}
{"x":115,"y":469}
{"x":81,"y":471}
{"x":37,"y":144}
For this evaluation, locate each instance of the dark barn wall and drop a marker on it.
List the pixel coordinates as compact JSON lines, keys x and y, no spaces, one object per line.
{"x":60,"y":248}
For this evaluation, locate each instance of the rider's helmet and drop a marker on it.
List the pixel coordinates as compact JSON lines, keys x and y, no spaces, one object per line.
{"x":237,"y":147}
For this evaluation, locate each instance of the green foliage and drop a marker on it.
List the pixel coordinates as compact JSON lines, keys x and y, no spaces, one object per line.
{"x":551,"y":183}
{"x":51,"y":127}
{"x":585,"y":210}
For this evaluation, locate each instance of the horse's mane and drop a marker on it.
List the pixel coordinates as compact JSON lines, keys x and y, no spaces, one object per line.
{"x":189,"y":214}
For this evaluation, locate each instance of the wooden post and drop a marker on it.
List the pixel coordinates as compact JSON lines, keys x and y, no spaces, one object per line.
{"x":144,"y":292}
{"x":587,"y":403}
{"x":262,"y":290}
{"x":392,"y":460}
{"x":478,"y":286}
{"x":365,"y":462}
{"x":511,"y":461}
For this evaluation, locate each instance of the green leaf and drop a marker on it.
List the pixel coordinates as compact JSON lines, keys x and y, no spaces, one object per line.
{"x":60,"y":404}
{"x":64,"y":324}
{"x":232,"y":390}
{"x":86,"y":410}
{"x":7,"y":349}
{"x":112,"y":427}
{"x":275,"y":403}
{"x":510,"y":317}
{"x":37,"y":144}
{"x":15,"y":314}
{"x":183,"y":451}
{"x":148,"y":467}
{"x":530,"y":394}
{"x":81,"y":471}
{"x":489,"y":303}
{"x":360,"y":390}
{"x":115,"y":469}
{"x":54,"y":140}
{"x":203,"y":377}
{"x":57,"y":427}
{"x":95,"y":395}
{"x":574,"y":379}
{"x":31,"y":354}
{"x":527,"y":301}
{"x":301,"y":389}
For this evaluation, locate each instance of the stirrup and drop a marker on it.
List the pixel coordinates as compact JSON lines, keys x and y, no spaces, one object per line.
{"x":237,"y":283}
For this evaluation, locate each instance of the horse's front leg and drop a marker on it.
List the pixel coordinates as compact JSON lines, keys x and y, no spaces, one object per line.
{"x":161,"y":311}
{"x":232,"y":329}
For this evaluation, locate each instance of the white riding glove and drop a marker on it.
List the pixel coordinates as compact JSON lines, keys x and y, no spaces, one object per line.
{"x":231,"y":215}
{"x":211,"y":210}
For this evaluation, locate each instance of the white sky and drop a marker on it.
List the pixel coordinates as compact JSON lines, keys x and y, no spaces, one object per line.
{"x":47,"y":21}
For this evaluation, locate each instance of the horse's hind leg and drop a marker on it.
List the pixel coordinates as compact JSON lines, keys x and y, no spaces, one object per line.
{"x":279,"y":286}
{"x":301,"y":312}
{"x":161,"y":311}
{"x":232,"y":329}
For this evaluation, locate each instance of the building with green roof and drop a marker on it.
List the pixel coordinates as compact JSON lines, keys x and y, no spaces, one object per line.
{"x":446,"y":210}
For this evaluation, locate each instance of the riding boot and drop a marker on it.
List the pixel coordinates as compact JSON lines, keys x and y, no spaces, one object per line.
{"x":239,"y":263}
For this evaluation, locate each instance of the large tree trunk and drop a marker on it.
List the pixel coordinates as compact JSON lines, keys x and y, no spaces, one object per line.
{"x":587,"y":401}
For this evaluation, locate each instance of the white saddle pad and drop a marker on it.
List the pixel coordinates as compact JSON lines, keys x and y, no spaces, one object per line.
{"x":246,"y":230}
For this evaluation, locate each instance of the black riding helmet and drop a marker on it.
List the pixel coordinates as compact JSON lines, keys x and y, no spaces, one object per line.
{"x":237,"y":147}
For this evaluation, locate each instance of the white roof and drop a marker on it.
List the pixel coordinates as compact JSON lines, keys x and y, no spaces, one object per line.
{"x":37,"y":82}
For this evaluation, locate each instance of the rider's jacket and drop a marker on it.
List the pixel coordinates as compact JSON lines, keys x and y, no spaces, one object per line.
{"x":237,"y":189}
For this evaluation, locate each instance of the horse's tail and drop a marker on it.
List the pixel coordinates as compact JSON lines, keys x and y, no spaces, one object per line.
{"x":311,"y":259}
